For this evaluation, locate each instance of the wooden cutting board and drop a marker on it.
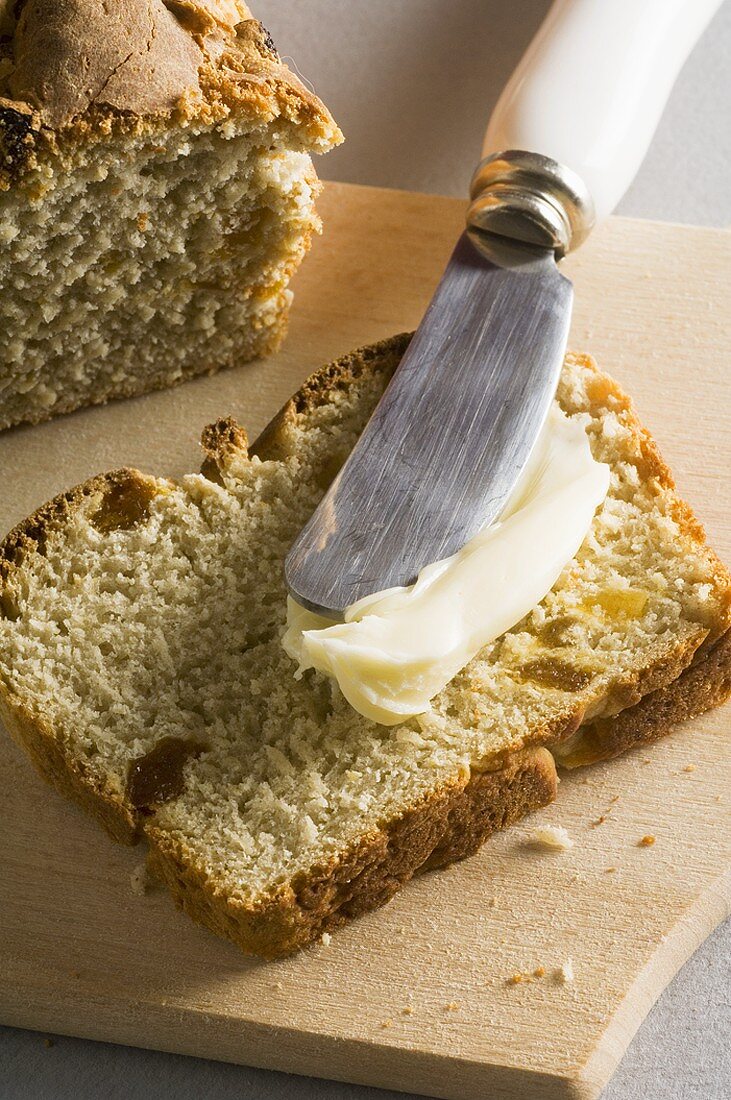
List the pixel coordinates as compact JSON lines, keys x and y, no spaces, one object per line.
{"x":417,"y":995}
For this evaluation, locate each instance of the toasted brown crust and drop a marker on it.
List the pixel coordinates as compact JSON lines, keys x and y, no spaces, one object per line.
{"x":702,"y":686}
{"x":218,"y":441}
{"x":80,"y":72}
{"x":28,"y":536}
{"x":66,"y":771}
{"x":448,"y":825}
{"x":275,"y":442}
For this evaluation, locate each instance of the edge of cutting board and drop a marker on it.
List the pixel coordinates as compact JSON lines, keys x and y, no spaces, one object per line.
{"x":181,"y":1029}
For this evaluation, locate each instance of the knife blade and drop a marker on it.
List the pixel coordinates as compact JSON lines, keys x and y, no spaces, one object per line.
{"x":452,"y":432}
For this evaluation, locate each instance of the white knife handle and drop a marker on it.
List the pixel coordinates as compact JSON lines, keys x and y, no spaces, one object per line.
{"x":585,"y":101}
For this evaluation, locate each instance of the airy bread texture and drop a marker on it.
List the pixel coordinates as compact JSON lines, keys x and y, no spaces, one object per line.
{"x":156,"y":196}
{"x":141,"y":666}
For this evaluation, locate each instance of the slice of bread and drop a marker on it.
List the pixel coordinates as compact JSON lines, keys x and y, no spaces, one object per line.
{"x":141,"y":668}
{"x":156,"y":196}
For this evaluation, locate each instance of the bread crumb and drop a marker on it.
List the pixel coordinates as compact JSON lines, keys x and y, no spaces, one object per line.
{"x":603,"y":817}
{"x":407,"y":1010}
{"x":689,"y":768}
{"x":49,"y":1043}
{"x":646,"y":841}
{"x":554,"y":837}
{"x":518,"y":977}
{"x":139,"y":880}
{"x":565,"y":972}
{"x":609,"y":870}
{"x":325,"y":939}
{"x":453,"y":1006}
{"x":387,"y":1023}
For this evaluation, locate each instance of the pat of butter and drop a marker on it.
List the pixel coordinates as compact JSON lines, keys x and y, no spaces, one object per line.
{"x":397,"y":649}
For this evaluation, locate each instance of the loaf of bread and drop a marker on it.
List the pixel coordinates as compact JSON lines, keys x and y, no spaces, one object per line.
{"x":156,"y":195}
{"x":141,"y":667}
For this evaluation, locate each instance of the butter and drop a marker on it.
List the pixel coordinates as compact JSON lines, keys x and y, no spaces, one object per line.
{"x":397,"y":649}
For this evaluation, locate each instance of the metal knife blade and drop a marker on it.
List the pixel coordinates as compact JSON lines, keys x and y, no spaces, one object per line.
{"x":450,"y":436}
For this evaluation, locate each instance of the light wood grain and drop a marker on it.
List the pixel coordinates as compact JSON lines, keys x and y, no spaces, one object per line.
{"x":80,"y":953}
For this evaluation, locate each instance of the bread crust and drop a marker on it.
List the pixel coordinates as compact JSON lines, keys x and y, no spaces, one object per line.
{"x":58,"y":765}
{"x":447,"y":825}
{"x":67,"y":773}
{"x":81,"y":72}
{"x":276,"y":441}
{"x":450,"y":823}
{"x":705,"y":684}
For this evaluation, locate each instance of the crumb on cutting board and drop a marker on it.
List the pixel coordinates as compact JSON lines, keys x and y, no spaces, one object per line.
{"x":646,"y":841}
{"x":605,"y":816}
{"x":139,"y":880}
{"x":565,"y":973}
{"x":522,"y":976}
{"x":326,"y":939}
{"x":552,"y":837}
{"x":562,"y":975}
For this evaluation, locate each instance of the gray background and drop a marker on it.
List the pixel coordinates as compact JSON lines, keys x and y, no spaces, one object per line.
{"x":412,"y":85}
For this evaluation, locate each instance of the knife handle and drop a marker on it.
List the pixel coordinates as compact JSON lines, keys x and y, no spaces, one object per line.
{"x":575,"y":120}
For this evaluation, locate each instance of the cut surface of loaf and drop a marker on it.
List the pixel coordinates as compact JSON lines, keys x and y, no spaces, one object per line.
{"x":141,"y":667}
{"x":156,"y":195}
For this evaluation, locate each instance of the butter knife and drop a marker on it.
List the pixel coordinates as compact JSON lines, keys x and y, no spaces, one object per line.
{"x":456,"y":425}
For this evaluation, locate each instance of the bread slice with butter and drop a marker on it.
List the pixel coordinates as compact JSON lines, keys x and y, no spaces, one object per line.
{"x":141,"y":667}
